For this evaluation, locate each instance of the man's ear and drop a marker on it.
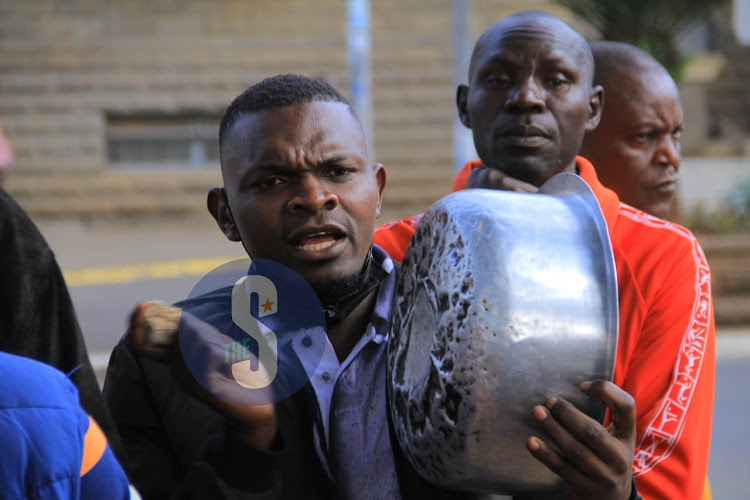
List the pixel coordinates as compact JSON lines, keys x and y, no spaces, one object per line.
{"x":381,"y":177}
{"x":596,"y":104}
{"x":462,"y":96}
{"x":218,"y":205}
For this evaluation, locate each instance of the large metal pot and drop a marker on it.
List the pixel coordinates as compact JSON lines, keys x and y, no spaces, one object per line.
{"x":503,"y":299}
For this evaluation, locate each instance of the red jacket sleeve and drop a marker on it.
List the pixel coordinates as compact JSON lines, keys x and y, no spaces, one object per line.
{"x":462,"y":177}
{"x":667,"y":363}
{"x":394,"y":237}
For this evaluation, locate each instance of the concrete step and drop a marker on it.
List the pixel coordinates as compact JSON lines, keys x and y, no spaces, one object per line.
{"x":105,"y":206}
{"x":104,"y":193}
{"x":416,"y":95}
{"x":406,"y":75}
{"x":397,"y":204}
{"x":110,"y":182}
{"x":728,"y":257}
{"x":418,"y":175}
{"x":407,"y":156}
{"x":732,"y":309}
{"x":399,"y":120}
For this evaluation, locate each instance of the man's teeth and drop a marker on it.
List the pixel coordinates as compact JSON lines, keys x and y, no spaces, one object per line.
{"x":318,"y":246}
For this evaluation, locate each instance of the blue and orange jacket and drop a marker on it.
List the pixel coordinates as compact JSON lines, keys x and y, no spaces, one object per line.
{"x":49,"y":447}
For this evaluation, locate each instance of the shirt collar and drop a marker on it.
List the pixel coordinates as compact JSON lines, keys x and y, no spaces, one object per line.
{"x":378,"y":328}
{"x":381,"y":315}
{"x":608,"y":200}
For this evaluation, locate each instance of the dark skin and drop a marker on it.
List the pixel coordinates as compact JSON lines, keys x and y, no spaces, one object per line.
{"x":636,"y":147}
{"x":529,"y":102}
{"x":298,"y":189}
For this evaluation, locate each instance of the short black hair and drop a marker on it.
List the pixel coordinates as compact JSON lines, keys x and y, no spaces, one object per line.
{"x":278,"y":91}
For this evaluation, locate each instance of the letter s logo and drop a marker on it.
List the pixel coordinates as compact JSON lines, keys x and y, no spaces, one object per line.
{"x":243,"y":289}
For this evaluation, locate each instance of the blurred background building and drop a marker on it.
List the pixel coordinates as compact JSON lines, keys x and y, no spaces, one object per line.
{"x":112,"y":106}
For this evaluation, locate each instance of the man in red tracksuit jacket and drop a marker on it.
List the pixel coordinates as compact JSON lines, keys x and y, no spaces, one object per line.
{"x":521,"y":105}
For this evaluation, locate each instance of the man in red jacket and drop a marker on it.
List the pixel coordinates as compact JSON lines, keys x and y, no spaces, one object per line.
{"x":529,"y":102}
{"x":636,"y":147}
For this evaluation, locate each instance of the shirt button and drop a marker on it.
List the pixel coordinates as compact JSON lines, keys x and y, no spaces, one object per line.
{"x":326,"y":377}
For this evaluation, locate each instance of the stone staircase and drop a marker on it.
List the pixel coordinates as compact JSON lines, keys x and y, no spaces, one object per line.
{"x":65,"y":65}
{"x":728,"y":94}
{"x":112,"y":194}
{"x":729,"y":259}
{"x":57,"y":86}
{"x":155,"y":193}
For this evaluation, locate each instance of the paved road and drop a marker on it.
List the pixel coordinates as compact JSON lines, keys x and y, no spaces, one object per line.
{"x":730,"y":443}
{"x":110,"y":268}
{"x":103,"y":310}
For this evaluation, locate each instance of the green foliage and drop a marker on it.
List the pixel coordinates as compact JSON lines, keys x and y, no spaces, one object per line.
{"x":721,"y":221}
{"x":738,"y":199}
{"x":733,"y":216}
{"x":648,"y":24}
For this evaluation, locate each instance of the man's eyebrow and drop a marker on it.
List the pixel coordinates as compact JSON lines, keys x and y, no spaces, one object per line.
{"x":270,"y":169}
{"x":332,"y":161}
{"x":563,"y":61}
{"x":657,"y":124}
{"x":509,"y":59}
{"x":500,"y":59}
{"x":647,"y":125}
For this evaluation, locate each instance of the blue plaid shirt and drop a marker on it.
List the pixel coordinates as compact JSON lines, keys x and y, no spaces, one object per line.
{"x":352,"y":437}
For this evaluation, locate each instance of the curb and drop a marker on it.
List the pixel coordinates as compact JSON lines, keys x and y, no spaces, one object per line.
{"x":159,"y":270}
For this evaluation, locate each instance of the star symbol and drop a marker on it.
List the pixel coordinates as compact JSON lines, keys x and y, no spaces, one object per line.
{"x":268,"y":306}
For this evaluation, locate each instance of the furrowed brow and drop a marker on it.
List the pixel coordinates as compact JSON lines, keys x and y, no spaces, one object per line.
{"x":333,"y":161}
{"x":271,"y":169}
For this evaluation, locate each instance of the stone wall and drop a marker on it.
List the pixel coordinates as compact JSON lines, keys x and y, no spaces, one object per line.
{"x":66,"y":65}
{"x":729,"y":259}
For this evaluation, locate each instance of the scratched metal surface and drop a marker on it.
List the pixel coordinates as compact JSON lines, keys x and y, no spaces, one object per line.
{"x":503,"y":299}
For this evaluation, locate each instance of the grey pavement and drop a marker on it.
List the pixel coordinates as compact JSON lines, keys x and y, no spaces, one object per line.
{"x":116,"y":242}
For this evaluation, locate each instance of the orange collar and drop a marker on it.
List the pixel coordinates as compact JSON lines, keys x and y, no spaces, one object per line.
{"x":608,"y":200}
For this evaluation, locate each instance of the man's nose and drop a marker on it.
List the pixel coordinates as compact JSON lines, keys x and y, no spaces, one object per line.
{"x":526,"y":96}
{"x":668,"y":152}
{"x":311,"y":194}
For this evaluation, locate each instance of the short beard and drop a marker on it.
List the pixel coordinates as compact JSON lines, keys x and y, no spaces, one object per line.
{"x":331,"y":291}
{"x":340,"y":296}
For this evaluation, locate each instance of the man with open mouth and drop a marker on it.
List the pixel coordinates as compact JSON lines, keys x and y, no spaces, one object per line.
{"x":298,"y":190}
